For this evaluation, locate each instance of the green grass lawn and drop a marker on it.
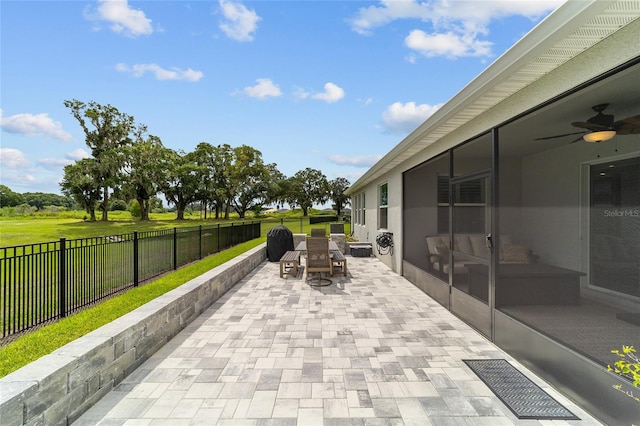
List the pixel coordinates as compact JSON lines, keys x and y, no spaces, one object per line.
{"x":28,"y":230}
{"x":38,"y":229}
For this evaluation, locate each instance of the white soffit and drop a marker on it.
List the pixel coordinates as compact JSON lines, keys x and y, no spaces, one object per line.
{"x":546,"y":47}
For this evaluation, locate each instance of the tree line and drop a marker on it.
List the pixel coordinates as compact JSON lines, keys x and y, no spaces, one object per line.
{"x":127,"y":162}
{"x":37,"y":200}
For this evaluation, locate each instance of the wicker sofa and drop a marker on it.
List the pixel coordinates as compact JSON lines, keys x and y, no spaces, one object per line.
{"x":438,"y":253}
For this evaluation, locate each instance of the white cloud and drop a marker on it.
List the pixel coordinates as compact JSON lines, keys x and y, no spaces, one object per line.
{"x":123,"y":19}
{"x":53,"y":163}
{"x":77,"y":154}
{"x":138,"y":70}
{"x":239,"y":22}
{"x":26,"y":177}
{"x":57,"y":164}
{"x":265,"y":88}
{"x":300,"y":93}
{"x":371,"y":17}
{"x":403,"y":118}
{"x":34,"y":125}
{"x":455,"y":27}
{"x":332,"y":93}
{"x":447,"y":44}
{"x":355,"y":160}
{"x":13,"y":159}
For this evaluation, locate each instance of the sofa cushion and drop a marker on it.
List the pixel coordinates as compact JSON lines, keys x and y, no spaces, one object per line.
{"x":443,"y":251}
{"x":432,"y":242}
{"x":479,"y":245}
{"x":514,"y":253}
{"x":463,"y":244}
{"x":459,"y":268}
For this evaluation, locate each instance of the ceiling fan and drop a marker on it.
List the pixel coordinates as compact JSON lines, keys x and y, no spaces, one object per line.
{"x":602,"y":127}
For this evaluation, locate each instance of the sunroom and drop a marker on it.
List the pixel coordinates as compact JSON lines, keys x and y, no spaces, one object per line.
{"x":517,"y":205}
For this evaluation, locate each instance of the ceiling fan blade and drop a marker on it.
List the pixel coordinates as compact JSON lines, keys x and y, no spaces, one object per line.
{"x":628,"y":126}
{"x":559,"y":136}
{"x":588,"y":126}
{"x":576,"y":140}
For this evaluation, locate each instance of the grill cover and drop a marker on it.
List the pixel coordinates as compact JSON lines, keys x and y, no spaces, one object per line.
{"x":279,"y":240}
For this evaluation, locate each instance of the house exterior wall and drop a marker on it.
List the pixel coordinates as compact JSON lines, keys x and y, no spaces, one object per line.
{"x":371,"y":229}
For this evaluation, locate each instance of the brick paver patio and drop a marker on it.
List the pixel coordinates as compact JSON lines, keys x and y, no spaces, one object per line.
{"x":371,"y":349}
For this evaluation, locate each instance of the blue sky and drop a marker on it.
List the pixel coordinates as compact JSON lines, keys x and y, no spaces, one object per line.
{"x":331,"y":85}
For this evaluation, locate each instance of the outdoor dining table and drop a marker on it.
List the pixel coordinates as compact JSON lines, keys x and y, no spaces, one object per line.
{"x":302,"y":246}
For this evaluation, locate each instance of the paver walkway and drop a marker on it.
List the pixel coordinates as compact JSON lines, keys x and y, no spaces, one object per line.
{"x":371,"y":349}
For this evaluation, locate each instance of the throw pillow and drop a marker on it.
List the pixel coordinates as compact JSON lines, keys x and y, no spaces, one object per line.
{"x":512,"y":253}
{"x":443,"y":251}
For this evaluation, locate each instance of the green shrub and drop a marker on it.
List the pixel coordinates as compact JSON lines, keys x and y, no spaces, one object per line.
{"x":25,"y":210}
{"x":118,"y":205}
{"x":627,"y":365}
{"x":134,"y":209}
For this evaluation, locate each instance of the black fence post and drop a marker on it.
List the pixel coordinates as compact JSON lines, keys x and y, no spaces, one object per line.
{"x":218,"y":250}
{"x":62,"y":279}
{"x":175,"y":248}
{"x":136,"y":262}
{"x":200,"y":241}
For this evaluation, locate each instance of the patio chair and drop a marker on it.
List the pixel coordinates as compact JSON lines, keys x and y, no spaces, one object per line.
{"x":318,"y":232}
{"x":318,"y":260}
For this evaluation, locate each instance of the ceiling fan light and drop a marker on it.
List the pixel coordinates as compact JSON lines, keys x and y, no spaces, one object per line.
{"x":599,"y":136}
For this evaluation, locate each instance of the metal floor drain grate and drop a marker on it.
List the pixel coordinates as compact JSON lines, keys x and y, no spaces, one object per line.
{"x":523,"y":397}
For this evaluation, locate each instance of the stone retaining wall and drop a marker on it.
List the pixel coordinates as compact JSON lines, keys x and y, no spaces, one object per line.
{"x":57,"y":388}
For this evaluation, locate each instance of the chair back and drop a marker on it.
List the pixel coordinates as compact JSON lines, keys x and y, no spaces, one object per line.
{"x":318,"y":258}
{"x":318,"y":232}
{"x":337,"y":228}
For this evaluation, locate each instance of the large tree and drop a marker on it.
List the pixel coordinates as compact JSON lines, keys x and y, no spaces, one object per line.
{"x":180,"y":184}
{"x":79,"y":183}
{"x":276,"y":186}
{"x":337,"y":187}
{"x":212,"y":162}
{"x":107,"y":131}
{"x":306,"y":188}
{"x":248,"y":180}
{"x":8,"y":198}
{"x":145,"y":166}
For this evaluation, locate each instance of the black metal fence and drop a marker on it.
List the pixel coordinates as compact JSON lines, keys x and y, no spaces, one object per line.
{"x":43,"y":282}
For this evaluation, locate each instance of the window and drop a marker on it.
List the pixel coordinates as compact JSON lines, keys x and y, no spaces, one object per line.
{"x":363,"y":210}
{"x":359,"y":209}
{"x":356,"y":209}
{"x":469,"y":192}
{"x":383,"y":206}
